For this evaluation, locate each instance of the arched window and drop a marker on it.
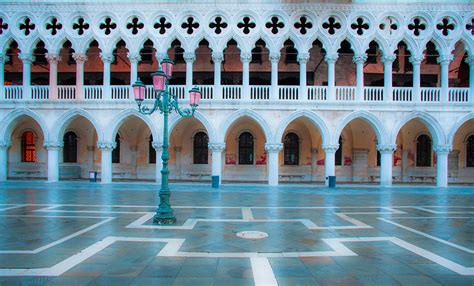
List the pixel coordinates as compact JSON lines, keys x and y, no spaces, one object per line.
{"x":116,"y":151}
{"x":28,"y":148}
{"x":470,"y":151}
{"x":70,"y":147}
{"x":151,"y":151}
{"x":291,"y":149}
{"x":246,"y":149}
{"x":423,"y":151}
{"x":338,"y":159}
{"x":200,"y":148}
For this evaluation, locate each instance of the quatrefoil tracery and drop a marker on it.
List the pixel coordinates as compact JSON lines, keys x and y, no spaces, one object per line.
{"x":162,"y":25}
{"x":331,"y":25}
{"x":135,"y":25}
{"x":218,"y":25}
{"x":190,"y":25}
{"x":303,"y":25}
{"x":470,"y":26}
{"x":28,"y":26}
{"x":81,"y":26}
{"x":54,"y":26}
{"x":274,"y":25}
{"x":417,"y":26}
{"x":445,"y":27}
{"x":389,"y":25}
{"x":3,"y":26}
{"x":108,"y":26}
{"x":359,"y":26}
{"x":246,"y":25}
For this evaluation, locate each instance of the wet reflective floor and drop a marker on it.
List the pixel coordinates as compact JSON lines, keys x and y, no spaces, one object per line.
{"x":81,"y":233}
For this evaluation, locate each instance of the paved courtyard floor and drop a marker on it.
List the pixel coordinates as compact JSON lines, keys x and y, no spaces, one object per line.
{"x":80,"y":233}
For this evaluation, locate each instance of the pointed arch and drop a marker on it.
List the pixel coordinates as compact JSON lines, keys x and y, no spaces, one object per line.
{"x":224,"y":127}
{"x":313,"y":117}
{"x":117,"y":121}
{"x":8,"y":123}
{"x":431,"y":123}
{"x":176,"y":118}
{"x":368,"y":117}
{"x":458,"y":125}
{"x":67,"y":117}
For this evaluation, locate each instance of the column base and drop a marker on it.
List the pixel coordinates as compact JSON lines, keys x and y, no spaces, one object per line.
{"x":164,"y":219}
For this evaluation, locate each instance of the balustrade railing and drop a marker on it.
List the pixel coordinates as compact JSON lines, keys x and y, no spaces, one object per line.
{"x":430,"y":94}
{"x":317,"y":92}
{"x":231,"y":92}
{"x":40,"y":92}
{"x":207,"y":91}
{"x":373,"y":93}
{"x":458,"y":94}
{"x":178,"y":90}
{"x":120,"y":92}
{"x":345,"y":93}
{"x":68,"y":92}
{"x":288,"y":92}
{"x":402,"y":94}
{"x":13,"y":92}
{"x":260,"y":92}
{"x":93,"y":92}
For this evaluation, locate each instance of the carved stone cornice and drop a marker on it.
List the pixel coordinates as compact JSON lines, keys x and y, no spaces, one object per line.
{"x":388,"y":58}
{"x":444,"y":59}
{"x":53,"y":146}
{"x":79,"y":58}
{"x":106,"y":146}
{"x":217,"y":57}
{"x":53,"y":58}
{"x":5,"y":144}
{"x":359,"y":59}
{"x":416,"y":59}
{"x":216,"y":147}
{"x":273,"y":147}
{"x":246,"y":57}
{"x":274,"y":57}
{"x":26,"y":58}
{"x":189,"y":56}
{"x":158,"y":146}
{"x":442,"y":149}
{"x":107,"y":57}
{"x":303,"y":58}
{"x":331,"y":58}
{"x":330,"y":148}
{"x":134,"y":57}
{"x":387,"y":148}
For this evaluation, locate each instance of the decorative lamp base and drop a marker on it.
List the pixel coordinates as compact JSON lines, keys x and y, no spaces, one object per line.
{"x":164,"y":220}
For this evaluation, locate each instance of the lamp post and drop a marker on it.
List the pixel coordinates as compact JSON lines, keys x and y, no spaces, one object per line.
{"x":165,"y":102}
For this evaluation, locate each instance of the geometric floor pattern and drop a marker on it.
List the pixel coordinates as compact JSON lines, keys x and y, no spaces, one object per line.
{"x":80,"y":233}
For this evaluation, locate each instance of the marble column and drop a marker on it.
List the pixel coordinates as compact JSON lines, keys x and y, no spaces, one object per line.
{"x":330,"y":161}
{"x":246,"y":58}
{"x":274,"y":60}
{"x":272,"y":150}
{"x":442,"y":152}
{"x":80,"y":60}
{"x":189,"y":58}
{"x":53,"y":60}
{"x":3,"y":59}
{"x":4,"y":146}
{"x":416,"y":61}
{"x":470,"y":62}
{"x":134,"y":58}
{"x":107,"y":59}
{"x":387,"y":61}
{"x":53,"y":160}
{"x":27,"y":60}
{"x":444,"y":61}
{"x":217,"y":58}
{"x":158,"y":146}
{"x":217,"y":149}
{"x":386,"y":163}
{"x":106,"y":149}
{"x":303,"y":59}
{"x":331,"y":62}
{"x":359,"y":60}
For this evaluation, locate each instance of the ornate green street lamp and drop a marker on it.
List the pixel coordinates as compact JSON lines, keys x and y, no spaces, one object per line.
{"x":165,"y":102}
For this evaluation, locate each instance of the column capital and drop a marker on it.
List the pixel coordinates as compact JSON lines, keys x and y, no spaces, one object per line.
{"x":53,"y":58}
{"x":331,"y":58}
{"x":3,"y":58}
{"x":5,"y":144}
{"x":303,"y":58}
{"x":158,"y":146}
{"x":189,"y":56}
{"x":107,"y":57}
{"x":273,"y":147}
{"x":246,"y":57}
{"x":274,"y":57}
{"x":416,"y":59}
{"x":389,"y":58}
{"x":216,"y":147}
{"x":444,"y":59}
{"x":217,"y":57}
{"x":79,"y":58}
{"x":53,"y":146}
{"x":386,"y":148}
{"x":359,"y":58}
{"x":106,"y":146}
{"x":470,"y":60}
{"x":134,"y":57}
{"x":330,"y":148}
{"x":26,"y":58}
{"x":442,"y":149}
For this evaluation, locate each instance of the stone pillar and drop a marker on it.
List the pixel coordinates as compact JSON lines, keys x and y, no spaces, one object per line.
{"x":107,"y":59}
{"x":80,"y":60}
{"x":53,"y":160}
{"x":53,"y":60}
{"x":177,"y":152}
{"x":331,"y":61}
{"x":416,"y":62}
{"x":189,"y":57}
{"x":4,"y":146}
{"x":444,"y":61}
{"x":3,"y":59}
{"x":360,"y":164}
{"x":359,"y":60}
{"x":217,"y":149}
{"x":303,"y":59}
{"x":442,"y":152}
{"x":272,"y":150}
{"x":159,"y":150}
{"x":217,"y":58}
{"x":106,"y":168}
{"x":330,"y":161}
{"x":27,"y":59}
{"x":386,"y":163}
{"x":246,"y":58}
{"x":387,"y":76}
{"x":134,"y":58}
{"x":470,"y":62}
{"x":314,"y":163}
{"x":274,"y":59}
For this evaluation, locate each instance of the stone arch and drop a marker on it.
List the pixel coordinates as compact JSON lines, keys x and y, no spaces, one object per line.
{"x":370,"y":118}
{"x":67,"y":117}
{"x":457,"y":125}
{"x":224,"y":128}
{"x":117,"y":121}
{"x":210,"y":129}
{"x":9,"y":123}
{"x":431,"y":123}
{"x":313,"y":117}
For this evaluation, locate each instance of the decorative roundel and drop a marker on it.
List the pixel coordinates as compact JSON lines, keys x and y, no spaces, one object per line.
{"x":389,"y":26}
{"x":303,"y":25}
{"x":162,"y":25}
{"x":190,"y":25}
{"x":274,"y":25}
{"x":332,"y":25}
{"x":469,"y":26}
{"x":218,"y":25}
{"x":446,"y":26}
{"x":360,"y":26}
{"x":417,"y":26}
{"x":246,"y":25}
{"x":3,"y":26}
{"x":134,"y":25}
{"x":26,"y":26}
{"x":107,"y":26}
{"x":53,"y":26}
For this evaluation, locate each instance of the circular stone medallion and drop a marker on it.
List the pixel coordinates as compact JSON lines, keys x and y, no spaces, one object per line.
{"x":252,"y":234}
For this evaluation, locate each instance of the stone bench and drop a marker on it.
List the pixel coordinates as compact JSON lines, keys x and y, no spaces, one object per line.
{"x":290,"y":176}
{"x":423,"y":178}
